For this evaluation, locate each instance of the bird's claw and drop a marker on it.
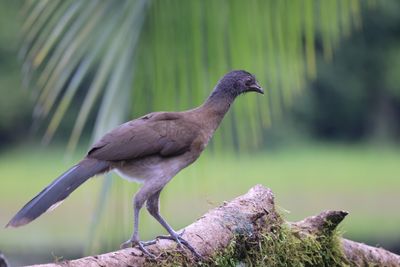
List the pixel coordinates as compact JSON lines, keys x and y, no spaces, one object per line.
{"x":126,"y":244}
{"x":131,"y":243}
{"x":170,"y":236}
{"x":148,"y":243}
{"x":177,"y":237}
{"x":180,"y":241}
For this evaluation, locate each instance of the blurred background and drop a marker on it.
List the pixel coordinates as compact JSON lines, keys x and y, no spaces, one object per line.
{"x":325,"y":136}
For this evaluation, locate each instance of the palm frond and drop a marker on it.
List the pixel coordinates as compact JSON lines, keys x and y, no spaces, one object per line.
{"x":180,"y":49}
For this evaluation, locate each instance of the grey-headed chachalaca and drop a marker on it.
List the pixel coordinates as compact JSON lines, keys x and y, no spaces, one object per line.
{"x":151,"y":150}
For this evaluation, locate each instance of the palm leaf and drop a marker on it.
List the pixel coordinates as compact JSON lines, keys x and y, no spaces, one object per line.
{"x":183,"y":50}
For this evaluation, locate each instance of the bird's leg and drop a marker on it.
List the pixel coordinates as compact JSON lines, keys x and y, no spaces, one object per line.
{"x":138,"y":202}
{"x":153,"y":208}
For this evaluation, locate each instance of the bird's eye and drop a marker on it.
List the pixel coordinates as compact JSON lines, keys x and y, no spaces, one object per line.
{"x":248,"y":82}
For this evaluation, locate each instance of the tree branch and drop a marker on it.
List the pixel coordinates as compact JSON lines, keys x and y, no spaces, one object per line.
{"x":241,"y":229}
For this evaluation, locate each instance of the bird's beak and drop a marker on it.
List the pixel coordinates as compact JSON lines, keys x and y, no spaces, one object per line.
{"x":256,"y":88}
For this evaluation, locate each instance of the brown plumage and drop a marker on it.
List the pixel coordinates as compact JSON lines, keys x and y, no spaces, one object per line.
{"x":151,"y":149}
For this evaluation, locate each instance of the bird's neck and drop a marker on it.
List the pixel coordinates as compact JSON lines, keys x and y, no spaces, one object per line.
{"x":216,"y":106}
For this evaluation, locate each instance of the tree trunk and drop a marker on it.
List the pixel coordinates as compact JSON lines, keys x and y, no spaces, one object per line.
{"x":249,"y":230}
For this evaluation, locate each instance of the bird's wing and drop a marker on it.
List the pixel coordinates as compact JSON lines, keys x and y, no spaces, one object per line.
{"x":163,"y":133}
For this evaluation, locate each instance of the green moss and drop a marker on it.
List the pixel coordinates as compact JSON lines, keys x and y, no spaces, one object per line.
{"x":174,"y":258}
{"x":283,"y":247}
{"x":279,"y":245}
{"x":270,"y":241}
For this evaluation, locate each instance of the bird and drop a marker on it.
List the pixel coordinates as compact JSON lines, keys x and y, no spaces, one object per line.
{"x":150,"y":150}
{"x":3,"y":261}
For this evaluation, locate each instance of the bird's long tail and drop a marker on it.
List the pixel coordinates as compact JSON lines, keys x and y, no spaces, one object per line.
{"x":58,"y":190}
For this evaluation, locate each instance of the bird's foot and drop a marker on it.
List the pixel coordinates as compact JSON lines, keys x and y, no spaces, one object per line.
{"x":152,"y":242}
{"x":170,"y":236}
{"x":180,"y":241}
{"x":133,"y":242}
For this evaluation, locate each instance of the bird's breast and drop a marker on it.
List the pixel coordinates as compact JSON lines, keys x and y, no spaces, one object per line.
{"x":201,"y":142}
{"x":151,"y":167}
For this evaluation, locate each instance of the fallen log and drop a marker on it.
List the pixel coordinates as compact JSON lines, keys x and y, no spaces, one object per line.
{"x":249,"y":230}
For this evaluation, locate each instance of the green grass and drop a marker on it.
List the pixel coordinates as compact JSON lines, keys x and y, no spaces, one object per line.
{"x":363,"y":180}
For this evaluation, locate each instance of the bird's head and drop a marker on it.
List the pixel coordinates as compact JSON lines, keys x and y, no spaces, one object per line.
{"x":238,"y":82}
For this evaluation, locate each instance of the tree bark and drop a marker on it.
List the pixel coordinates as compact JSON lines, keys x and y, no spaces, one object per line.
{"x":251,"y":216}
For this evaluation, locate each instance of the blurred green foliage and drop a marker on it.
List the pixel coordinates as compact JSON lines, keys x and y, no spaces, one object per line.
{"x":356,"y":96}
{"x":168,"y":55}
{"x":15,"y":104}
